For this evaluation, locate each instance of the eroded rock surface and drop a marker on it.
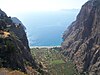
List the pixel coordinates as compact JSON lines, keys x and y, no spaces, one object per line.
{"x":14,"y":48}
{"x":82,"y":39}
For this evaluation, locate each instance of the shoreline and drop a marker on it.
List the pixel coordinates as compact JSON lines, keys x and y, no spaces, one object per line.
{"x":43,"y":46}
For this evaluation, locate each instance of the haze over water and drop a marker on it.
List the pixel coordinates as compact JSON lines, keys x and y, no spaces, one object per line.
{"x":44,"y":19}
{"x":46,"y":28}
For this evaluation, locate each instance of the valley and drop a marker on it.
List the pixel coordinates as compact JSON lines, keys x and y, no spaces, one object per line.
{"x":53,"y":62}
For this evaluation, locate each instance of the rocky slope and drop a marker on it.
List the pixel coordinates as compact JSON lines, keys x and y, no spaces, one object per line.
{"x":14,"y":49}
{"x":82,"y":39}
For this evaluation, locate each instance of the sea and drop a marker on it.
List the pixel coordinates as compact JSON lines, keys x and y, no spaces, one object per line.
{"x":47,"y":28}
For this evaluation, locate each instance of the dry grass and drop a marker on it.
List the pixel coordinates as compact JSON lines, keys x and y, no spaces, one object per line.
{"x":4,"y":33}
{"x":5,"y":71}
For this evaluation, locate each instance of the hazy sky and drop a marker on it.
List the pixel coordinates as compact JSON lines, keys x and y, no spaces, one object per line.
{"x":20,"y":6}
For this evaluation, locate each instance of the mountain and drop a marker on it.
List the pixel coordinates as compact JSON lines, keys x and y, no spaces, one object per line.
{"x":81,"y":41}
{"x":14,"y":49}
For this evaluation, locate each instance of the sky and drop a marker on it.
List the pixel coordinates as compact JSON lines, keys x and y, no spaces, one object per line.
{"x":22,"y":6}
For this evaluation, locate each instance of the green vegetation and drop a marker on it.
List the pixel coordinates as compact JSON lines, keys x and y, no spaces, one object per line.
{"x":57,"y":62}
{"x":53,"y":62}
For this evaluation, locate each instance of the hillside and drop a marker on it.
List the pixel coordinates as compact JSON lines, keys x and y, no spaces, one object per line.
{"x":53,"y":62}
{"x":14,"y":49}
{"x":81,"y":41}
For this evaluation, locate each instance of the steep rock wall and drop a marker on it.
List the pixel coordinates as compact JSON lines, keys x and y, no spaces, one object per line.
{"x":82,"y":39}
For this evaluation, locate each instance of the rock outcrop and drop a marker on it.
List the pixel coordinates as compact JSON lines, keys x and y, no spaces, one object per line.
{"x":14,"y":48}
{"x":82,"y":39}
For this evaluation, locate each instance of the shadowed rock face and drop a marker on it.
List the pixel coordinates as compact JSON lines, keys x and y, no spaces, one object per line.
{"x":14,"y":48}
{"x":82,"y":39}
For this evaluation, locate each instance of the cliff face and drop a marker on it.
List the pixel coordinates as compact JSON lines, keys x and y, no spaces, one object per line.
{"x":82,"y":39}
{"x":14,"y":49}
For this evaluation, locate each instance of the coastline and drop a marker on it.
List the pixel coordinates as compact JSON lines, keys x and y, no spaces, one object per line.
{"x":43,"y":46}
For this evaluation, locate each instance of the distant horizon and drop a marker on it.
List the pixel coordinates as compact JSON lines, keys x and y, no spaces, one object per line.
{"x":15,"y":7}
{"x":43,"y":17}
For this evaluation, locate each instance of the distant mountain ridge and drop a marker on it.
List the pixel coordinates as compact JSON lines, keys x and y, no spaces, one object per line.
{"x":69,"y":9}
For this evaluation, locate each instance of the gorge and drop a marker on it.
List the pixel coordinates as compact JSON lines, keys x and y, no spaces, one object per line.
{"x":79,"y":53}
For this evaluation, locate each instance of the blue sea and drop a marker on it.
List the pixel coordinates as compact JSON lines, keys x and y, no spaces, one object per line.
{"x":47,"y":28}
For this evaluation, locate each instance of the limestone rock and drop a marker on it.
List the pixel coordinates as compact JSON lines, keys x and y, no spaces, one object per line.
{"x":82,"y":39}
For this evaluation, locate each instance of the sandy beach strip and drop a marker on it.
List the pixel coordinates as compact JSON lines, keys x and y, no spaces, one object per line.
{"x":44,"y":46}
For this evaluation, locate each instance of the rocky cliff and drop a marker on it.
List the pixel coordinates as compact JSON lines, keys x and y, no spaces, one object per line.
{"x":14,"y":49}
{"x":82,"y":39}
